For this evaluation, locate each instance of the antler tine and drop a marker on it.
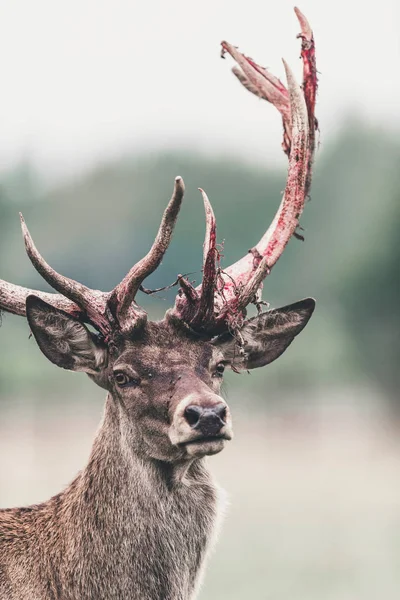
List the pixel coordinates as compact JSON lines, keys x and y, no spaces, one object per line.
{"x":123,"y":295}
{"x":306,"y":31}
{"x":13,"y":298}
{"x":195,"y":306}
{"x":262,"y":83}
{"x":210,"y":238}
{"x":204,"y":316}
{"x":91,"y":302}
{"x":259,"y":80}
{"x":74,"y":298}
{"x":310,"y":85}
{"x":69,"y":288}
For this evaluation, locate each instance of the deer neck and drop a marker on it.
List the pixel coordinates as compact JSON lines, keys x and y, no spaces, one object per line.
{"x":119,"y":467}
{"x":151,"y":523}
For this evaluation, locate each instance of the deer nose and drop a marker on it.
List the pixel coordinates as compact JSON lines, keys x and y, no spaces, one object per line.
{"x":208,"y":420}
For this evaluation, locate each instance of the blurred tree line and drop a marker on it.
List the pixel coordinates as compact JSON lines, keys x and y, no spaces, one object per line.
{"x":95,"y":226}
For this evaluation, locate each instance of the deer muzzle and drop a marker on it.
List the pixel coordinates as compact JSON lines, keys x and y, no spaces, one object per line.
{"x":201,"y":424}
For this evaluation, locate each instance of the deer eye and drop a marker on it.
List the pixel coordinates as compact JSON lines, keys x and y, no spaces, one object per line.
{"x":219,"y":370}
{"x":123,"y":380}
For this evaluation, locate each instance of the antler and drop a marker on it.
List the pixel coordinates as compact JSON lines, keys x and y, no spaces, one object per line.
{"x":238,"y":285}
{"x":124,"y":293}
{"x":221,"y":300}
{"x":104,"y":310}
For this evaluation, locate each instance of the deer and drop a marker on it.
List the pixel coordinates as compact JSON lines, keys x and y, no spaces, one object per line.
{"x":139,"y":520}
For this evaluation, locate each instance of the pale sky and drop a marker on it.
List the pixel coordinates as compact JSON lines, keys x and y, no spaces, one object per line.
{"x":84,"y":80}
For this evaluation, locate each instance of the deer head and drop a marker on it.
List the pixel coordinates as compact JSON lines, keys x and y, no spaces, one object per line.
{"x":164,"y":377}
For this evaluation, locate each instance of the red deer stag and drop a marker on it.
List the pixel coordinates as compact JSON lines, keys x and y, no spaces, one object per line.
{"x":138,"y":521}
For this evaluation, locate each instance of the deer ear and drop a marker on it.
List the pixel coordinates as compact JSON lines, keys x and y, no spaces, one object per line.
{"x":63,"y":339}
{"x":266,"y":336}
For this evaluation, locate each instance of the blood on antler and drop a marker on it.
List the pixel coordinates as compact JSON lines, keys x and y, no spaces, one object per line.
{"x":238,"y":285}
{"x":221,"y":300}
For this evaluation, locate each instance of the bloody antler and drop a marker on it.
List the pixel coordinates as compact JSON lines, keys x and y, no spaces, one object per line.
{"x":205,"y":310}
{"x":238,"y":285}
{"x":104,"y":310}
{"x":262,"y":83}
{"x":283,"y":226}
{"x":221,"y":300}
{"x":310,"y":85}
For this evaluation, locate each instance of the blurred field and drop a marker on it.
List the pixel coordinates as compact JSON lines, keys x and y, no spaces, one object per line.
{"x":314,"y":495}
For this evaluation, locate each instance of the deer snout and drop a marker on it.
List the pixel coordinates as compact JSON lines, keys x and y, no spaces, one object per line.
{"x":207,"y":420}
{"x":201,"y":423}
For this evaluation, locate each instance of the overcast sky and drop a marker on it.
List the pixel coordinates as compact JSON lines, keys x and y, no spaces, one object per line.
{"x":83,"y":80}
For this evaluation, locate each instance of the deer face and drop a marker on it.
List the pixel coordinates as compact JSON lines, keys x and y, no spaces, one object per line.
{"x":169,"y":383}
{"x":165,"y":379}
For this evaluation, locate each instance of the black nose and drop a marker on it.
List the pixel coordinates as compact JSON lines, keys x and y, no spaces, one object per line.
{"x":208,"y":420}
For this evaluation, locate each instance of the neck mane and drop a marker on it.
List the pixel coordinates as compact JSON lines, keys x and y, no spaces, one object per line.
{"x":127,"y":526}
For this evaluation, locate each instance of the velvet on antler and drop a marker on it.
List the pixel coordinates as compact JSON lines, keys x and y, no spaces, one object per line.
{"x":220,"y":302}
{"x":236,"y":286}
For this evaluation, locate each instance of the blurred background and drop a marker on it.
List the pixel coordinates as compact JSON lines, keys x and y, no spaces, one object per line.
{"x":103,"y":103}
